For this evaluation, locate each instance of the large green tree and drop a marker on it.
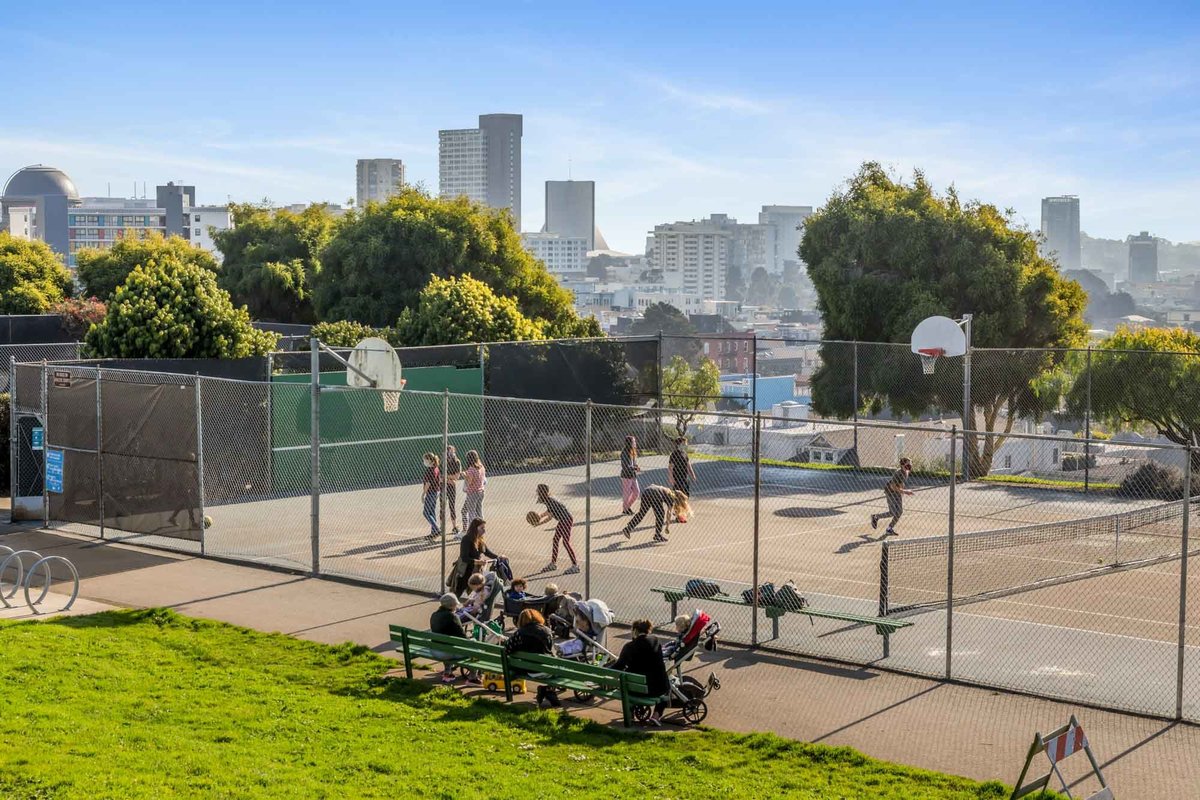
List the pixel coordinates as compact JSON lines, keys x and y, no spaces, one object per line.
{"x":690,"y":389}
{"x":102,"y":271}
{"x":1146,"y":377}
{"x":883,"y":254}
{"x":678,"y":332}
{"x":171,"y":308}
{"x":383,"y":255}
{"x":272,"y":257}
{"x":462,"y":310}
{"x":32,"y":278}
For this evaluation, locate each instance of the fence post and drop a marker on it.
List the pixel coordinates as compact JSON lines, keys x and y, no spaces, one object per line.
{"x":950,"y":558}
{"x":200,"y":464}
{"x":13,"y":429}
{"x":968,"y":409}
{"x":1183,"y":583}
{"x":1087,"y":427}
{"x":315,"y":453}
{"x":45,"y":443}
{"x":100,"y":448}
{"x":587,"y":500}
{"x":754,"y":371}
{"x":445,"y":451}
{"x":755,"y":439}
{"x":855,"y":401}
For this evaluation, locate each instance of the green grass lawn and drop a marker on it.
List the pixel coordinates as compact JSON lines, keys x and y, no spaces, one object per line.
{"x":151,"y":704}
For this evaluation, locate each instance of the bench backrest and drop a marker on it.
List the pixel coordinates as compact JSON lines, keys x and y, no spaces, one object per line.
{"x":426,"y":642}
{"x":566,"y":668}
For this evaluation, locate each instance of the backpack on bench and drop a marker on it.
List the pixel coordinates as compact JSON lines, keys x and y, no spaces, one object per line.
{"x":699,"y":587}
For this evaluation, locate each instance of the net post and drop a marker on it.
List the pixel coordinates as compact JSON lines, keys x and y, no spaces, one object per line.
{"x":950,"y":558}
{"x":100,"y":449}
{"x":315,"y":455}
{"x":757,"y":446}
{"x":1116,"y":541}
{"x":968,"y":410}
{"x":200,"y":463}
{"x":1183,"y":582}
{"x":445,"y":452}
{"x":587,"y":499}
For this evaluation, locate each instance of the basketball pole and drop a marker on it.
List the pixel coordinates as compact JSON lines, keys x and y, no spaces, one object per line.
{"x":968,"y":411}
{"x":950,"y":561}
{"x":1183,"y":582}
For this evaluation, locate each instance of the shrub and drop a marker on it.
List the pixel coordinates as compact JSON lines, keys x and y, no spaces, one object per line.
{"x":1156,"y":481}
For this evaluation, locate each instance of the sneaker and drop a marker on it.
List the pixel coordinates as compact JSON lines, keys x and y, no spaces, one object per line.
{"x":455,"y":532}
{"x":655,"y":721}
{"x":874,"y":522}
{"x":552,"y":699}
{"x":551,"y":567}
{"x":571,"y":570}
{"x":628,"y":511}
{"x":627,"y":532}
{"x":661,"y":539}
{"x":448,"y":677}
{"x":890,"y":532}
{"x":473,"y":680}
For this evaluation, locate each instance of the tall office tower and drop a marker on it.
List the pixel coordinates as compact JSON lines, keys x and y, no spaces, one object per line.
{"x":1060,"y":227}
{"x":484,"y":163}
{"x":378,"y":179}
{"x":694,"y":256}
{"x":1143,"y":258}
{"x":787,"y":222}
{"x":571,"y":210}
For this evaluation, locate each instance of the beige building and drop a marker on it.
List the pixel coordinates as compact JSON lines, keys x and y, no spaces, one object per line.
{"x":378,"y":179}
{"x":693,"y":256}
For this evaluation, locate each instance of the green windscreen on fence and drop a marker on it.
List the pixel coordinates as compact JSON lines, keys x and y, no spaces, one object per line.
{"x":362,"y":445}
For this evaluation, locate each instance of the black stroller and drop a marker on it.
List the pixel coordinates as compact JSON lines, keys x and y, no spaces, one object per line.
{"x":688,"y":694}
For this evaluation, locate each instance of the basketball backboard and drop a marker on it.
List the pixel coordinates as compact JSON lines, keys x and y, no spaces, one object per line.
{"x":373,"y":364}
{"x":939,"y":333}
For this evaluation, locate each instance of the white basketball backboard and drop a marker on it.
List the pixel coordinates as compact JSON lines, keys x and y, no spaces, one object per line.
{"x":373,"y":364}
{"x":939,"y":333}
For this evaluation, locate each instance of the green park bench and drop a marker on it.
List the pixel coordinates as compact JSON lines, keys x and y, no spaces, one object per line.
{"x":884,"y":626}
{"x":469,"y":653}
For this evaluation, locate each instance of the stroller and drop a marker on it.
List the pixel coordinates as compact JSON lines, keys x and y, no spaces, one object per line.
{"x":688,"y":694}
{"x":585,"y":646}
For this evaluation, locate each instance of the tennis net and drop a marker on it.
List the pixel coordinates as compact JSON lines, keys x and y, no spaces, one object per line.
{"x":989,"y":564}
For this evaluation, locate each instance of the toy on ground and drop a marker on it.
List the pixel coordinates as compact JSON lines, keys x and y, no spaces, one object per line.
{"x":494,"y":682}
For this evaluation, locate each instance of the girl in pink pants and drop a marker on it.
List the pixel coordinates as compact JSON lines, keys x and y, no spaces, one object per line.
{"x":630,"y":491}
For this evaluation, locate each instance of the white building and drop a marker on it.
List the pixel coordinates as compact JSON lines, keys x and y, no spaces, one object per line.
{"x":462,"y":164}
{"x":378,"y":179}
{"x":21,"y":223}
{"x":562,"y":255}
{"x":694,"y":256}
{"x":484,"y":163}
{"x":787,"y":222}
{"x":204,"y":221}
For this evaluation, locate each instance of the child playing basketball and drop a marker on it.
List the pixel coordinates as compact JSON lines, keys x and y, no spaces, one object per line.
{"x":894,"y":491}
{"x":562,"y":530}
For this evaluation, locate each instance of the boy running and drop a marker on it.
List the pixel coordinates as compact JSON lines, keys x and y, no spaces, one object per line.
{"x":894,"y":491}
{"x":562,"y":530}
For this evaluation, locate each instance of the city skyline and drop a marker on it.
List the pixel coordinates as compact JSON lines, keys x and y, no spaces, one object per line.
{"x":779,"y":108}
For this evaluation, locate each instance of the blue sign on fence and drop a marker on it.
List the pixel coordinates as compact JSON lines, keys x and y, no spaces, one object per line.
{"x":54,"y":471}
{"x":39,"y":438}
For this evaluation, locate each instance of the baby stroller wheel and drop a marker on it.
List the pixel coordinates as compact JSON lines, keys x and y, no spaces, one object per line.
{"x":642,"y":713}
{"x":583,"y":697}
{"x":694,"y":712}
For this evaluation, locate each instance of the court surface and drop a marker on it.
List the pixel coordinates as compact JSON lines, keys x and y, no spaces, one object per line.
{"x":1108,"y":640}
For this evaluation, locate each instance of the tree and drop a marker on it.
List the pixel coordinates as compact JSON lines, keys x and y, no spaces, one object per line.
{"x":884,"y":254}
{"x":383,"y":255}
{"x":1149,"y":376}
{"x":690,"y":389}
{"x":79,"y":315}
{"x":32,"y":278}
{"x":171,"y":308}
{"x":272,"y":259}
{"x":679,"y":334}
{"x":348,"y":334}
{"x":462,"y":310}
{"x":735,"y":284}
{"x":763,"y":288}
{"x":102,"y":271}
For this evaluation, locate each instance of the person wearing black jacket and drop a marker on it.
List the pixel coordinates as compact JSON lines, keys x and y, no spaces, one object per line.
{"x":532,"y":636}
{"x":447,"y":623}
{"x":472,"y":551}
{"x":662,"y":501}
{"x":643,"y":656}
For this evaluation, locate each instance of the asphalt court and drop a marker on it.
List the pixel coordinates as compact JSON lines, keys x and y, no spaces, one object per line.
{"x":813,"y":529}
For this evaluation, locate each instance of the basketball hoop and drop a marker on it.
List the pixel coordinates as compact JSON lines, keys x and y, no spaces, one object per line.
{"x":391,"y":401}
{"x":373,"y":364}
{"x":929,"y":357}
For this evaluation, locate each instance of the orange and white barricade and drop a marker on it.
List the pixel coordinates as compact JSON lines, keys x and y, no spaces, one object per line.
{"x":1059,"y":745}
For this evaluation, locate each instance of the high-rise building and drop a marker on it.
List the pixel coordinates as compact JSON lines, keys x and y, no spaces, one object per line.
{"x":571,"y":210}
{"x":378,"y":179}
{"x":562,"y":255}
{"x":1060,"y":229}
{"x":484,"y":163}
{"x":97,"y":223}
{"x":788,"y":223}
{"x":693,"y":256}
{"x":1143,"y":258}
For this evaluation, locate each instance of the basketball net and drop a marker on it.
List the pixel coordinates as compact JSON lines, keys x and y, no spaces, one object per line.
{"x":929,"y":357}
{"x":391,"y":401}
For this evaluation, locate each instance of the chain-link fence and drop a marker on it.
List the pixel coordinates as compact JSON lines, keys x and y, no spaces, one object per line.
{"x":1015,"y":578}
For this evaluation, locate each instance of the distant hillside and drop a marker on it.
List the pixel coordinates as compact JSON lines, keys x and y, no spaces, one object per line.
{"x":1112,"y":255}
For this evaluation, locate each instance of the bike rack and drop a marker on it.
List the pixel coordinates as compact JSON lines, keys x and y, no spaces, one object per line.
{"x":25,"y":579}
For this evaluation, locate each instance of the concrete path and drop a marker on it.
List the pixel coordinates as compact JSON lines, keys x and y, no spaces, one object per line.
{"x":979,"y":733}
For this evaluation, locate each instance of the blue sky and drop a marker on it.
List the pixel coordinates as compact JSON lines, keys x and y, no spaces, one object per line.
{"x":676,"y":110}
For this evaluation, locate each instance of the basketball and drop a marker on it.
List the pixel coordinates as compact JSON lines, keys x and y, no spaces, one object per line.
{"x":533,"y":518}
{"x":207,"y":521}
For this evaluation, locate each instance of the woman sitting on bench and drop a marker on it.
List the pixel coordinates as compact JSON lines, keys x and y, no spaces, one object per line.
{"x":643,"y":656}
{"x":532,"y":636}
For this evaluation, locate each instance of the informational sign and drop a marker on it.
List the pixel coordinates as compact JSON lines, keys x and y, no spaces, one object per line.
{"x":62,"y":379}
{"x":39,"y":438}
{"x":54,"y":471}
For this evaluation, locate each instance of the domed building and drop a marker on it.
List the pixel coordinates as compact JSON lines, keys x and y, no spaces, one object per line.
{"x":41,"y":195}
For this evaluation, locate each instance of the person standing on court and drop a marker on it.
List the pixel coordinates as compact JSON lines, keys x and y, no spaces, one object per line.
{"x":894,"y":491}
{"x":562,"y":529}
{"x":431,"y":487}
{"x":679,"y":470}
{"x":453,"y":473}
{"x":473,"y":552}
{"x":474,"y":482}
{"x":629,"y":474}
{"x":662,"y":501}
